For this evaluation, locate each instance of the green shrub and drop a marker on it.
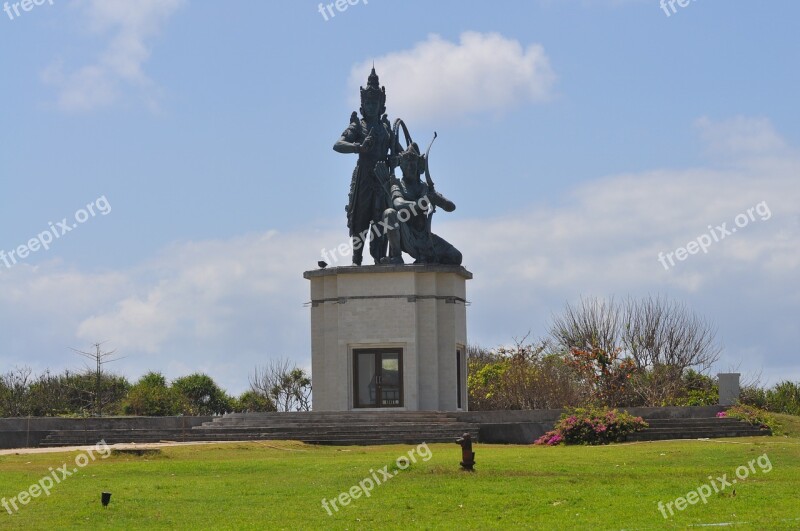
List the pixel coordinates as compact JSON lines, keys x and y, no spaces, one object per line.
{"x":753,"y":396}
{"x":592,"y":426}
{"x":151,"y":397}
{"x":755,"y":416}
{"x":698,"y":390}
{"x":203,"y":395}
{"x":784,"y":398}
{"x":254,"y":402}
{"x":522,"y":377}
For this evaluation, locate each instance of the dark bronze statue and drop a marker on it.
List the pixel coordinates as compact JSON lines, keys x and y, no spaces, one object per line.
{"x":409,"y":216}
{"x":396,"y":213}
{"x":371,"y":138}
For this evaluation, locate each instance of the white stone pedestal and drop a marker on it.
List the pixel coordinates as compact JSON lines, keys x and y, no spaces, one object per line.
{"x":389,"y":338}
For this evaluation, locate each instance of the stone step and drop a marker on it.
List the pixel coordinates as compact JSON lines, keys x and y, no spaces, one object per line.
{"x":312,"y":420}
{"x":315,"y":438}
{"x":105,"y":435}
{"x":344,"y":427}
{"x":687,"y":422}
{"x":327,"y":428}
{"x":643,"y":436}
{"x":370,"y":426}
{"x":704,"y":430}
{"x":706,"y":426}
{"x":307,"y":425}
{"x":699,"y":428}
{"x":360,"y":442}
{"x":335,"y":414}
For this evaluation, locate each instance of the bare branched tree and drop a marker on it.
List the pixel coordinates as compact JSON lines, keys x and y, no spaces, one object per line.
{"x":594,"y":323}
{"x":663,"y":338}
{"x":15,"y":391}
{"x":100,"y":359}
{"x":287,"y":385}
{"x":659,"y":333}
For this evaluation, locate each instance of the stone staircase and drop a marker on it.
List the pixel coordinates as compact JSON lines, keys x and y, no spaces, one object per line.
{"x":696,"y":428}
{"x":339,"y":428}
{"x":369,"y":427}
{"x":116,"y":436}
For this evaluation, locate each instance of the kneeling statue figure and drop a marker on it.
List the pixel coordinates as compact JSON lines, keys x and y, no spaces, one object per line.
{"x":408,"y":220}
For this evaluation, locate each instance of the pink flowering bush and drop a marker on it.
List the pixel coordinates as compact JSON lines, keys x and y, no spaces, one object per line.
{"x":722,"y":415}
{"x":592,"y":426}
{"x":551,"y":438}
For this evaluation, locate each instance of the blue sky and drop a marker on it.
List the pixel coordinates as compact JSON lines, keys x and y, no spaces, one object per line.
{"x":578,"y":138}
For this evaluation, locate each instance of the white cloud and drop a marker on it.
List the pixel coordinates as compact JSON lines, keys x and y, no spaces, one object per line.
{"x":225,"y":306}
{"x":606,"y":240}
{"x":741,"y":137}
{"x":217,"y":306}
{"x":128,"y":26}
{"x":439,"y":79}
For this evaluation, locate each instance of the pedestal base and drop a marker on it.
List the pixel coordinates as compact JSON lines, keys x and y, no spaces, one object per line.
{"x":389,"y":337}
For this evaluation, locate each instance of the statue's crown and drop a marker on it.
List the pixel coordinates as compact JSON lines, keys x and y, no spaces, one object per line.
{"x":374,"y":90}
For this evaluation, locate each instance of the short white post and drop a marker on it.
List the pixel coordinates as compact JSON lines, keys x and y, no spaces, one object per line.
{"x":728,"y":388}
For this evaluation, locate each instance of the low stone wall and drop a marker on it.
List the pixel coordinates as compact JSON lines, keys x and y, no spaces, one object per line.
{"x":29,"y":432}
{"x":504,"y":427}
{"x":524,"y":427}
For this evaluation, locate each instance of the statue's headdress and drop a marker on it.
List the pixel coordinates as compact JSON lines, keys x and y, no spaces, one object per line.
{"x":373,"y":92}
{"x":412,"y":154}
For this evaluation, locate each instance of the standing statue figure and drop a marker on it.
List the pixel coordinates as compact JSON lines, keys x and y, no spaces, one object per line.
{"x":371,"y":137}
{"x":408,"y":217}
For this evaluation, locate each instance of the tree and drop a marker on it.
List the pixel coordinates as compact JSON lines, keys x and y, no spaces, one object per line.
{"x":50,"y":395}
{"x":203,"y":395}
{"x":57,"y":394}
{"x":595,"y":323}
{"x":524,"y":376}
{"x":606,"y":375}
{"x":100,"y":358}
{"x":661,"y":338}
{"x":85,"y":393}
{"x":285,"y":384}
{"x":658,"y":332}
{"x":255,"y":402}
{"x":15,"y":392}
{"x":151,"y":396}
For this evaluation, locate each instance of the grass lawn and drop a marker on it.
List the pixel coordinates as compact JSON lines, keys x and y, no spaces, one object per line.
{"x":788,"y":424}
{"x":280,"y":485}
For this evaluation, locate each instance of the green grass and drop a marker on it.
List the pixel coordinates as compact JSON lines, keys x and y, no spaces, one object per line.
{"x":789,"y":425}
{"x":280,"y":485}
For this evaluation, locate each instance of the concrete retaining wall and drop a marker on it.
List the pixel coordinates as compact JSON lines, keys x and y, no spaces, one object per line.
{"x":29,"y":432}
{"x":509,"y":427}
{"x":524,"y":427}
